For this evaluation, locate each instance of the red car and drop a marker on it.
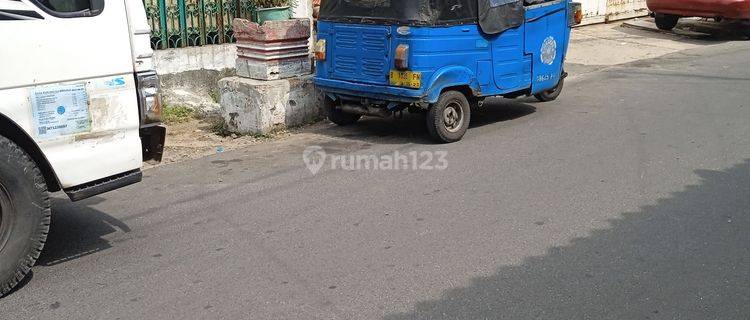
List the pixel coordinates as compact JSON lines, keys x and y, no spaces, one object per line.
{"x":667,"y":12}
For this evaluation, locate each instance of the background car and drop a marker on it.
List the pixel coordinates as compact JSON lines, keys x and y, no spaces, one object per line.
{"x":668,"y":12}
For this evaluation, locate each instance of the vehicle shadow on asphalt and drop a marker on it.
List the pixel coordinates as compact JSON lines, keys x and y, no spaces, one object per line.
{"x":77,"y":230}
{"x":412,"y":128}
{"x":686,"y":256}
{"x":694,"y":32}
{"x":497,"y":110}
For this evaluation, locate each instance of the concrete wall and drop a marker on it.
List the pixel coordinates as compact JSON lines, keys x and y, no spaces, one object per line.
{"x":210,"y":57}
{"x":189,"y":76}
{"x":598,"y":11}
{"x":303,"y":9}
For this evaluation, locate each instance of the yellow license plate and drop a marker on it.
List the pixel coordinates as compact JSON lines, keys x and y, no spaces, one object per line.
{"x":409,"y":79}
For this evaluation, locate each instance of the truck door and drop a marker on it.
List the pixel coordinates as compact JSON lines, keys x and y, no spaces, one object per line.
{"x":547,"y":34}
{"x":67,"y":80}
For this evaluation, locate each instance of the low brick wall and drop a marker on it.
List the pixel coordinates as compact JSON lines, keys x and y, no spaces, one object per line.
{"x":212,"y":57}
{"x":189,"y":76}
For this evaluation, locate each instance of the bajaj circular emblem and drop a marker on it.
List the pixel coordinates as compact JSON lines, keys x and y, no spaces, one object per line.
{"x":549,"y":50}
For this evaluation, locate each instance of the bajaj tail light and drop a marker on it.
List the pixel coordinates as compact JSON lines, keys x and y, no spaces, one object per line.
{"x":149,"y":99}
{"x":320,"y":50}
{"x":402,"y":57}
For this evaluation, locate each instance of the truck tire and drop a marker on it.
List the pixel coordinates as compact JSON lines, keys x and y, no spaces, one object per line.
{"x":337,"y":116}
{"x":551,"y":94}
{"x":448,"y":119}
{"x":666,"y":21}
{"x":24,"y":214}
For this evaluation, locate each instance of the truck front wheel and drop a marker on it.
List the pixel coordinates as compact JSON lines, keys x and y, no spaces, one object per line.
{"x":448,"y":119}
{"x":24,"y":214}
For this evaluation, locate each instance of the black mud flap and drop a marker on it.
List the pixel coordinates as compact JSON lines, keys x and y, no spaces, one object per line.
{"x":152,"y":141}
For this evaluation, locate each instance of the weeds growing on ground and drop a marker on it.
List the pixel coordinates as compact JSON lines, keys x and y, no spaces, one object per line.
{"x":177,"y":114}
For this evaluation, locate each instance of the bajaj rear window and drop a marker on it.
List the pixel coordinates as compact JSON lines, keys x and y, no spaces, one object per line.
{"x":375,"y":10}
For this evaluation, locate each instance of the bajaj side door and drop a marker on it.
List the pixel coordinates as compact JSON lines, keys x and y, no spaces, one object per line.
{"x":546,"y":37}
{"x":510,"y":65}
{"x":67,"y":80}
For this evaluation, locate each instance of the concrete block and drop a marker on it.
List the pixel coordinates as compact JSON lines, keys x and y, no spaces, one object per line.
{"x":273,"y":70}
{"x":252,"y":106}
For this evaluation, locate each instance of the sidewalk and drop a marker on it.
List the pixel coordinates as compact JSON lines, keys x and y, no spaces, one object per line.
{"x":598,"y":46}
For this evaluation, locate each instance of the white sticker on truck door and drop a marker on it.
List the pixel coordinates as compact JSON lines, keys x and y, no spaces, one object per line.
{"x":60,"y":110}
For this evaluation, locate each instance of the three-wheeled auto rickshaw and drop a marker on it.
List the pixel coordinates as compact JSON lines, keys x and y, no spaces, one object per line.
{"x":438,"y":57}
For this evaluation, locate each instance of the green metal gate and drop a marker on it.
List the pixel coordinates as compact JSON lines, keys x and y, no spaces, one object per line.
{"x":183,"y":23}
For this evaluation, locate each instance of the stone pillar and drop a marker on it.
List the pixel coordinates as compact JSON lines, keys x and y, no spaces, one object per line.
{"x":274,"y":88}
{"x":274,"y":50}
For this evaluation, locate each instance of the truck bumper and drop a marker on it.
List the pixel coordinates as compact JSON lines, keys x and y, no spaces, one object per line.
{"x":363,"y":90}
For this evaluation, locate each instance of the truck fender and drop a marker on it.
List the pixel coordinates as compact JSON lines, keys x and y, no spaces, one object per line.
{"x":453,"y":76}
{"x":12,"y":131}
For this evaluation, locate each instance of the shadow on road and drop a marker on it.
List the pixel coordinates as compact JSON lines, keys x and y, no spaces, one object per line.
{"x":686,"y":257}
{"x":501,"y":110}
{"x":77,"y":230}
{"x":412,"y":128}
{"x":696,"y":32}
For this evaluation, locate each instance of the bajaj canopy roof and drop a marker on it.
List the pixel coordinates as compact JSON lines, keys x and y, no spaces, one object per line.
{"x":413,"y":12}
{"x":494,"y":16}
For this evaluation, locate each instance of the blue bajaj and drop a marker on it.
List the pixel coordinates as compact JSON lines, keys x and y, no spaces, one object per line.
{"x":438,"y":57}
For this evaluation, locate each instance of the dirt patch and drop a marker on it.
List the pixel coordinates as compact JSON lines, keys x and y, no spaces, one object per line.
{"x":195,"y":138}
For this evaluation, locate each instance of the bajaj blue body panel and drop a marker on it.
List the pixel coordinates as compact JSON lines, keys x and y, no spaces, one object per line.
{"x":527,"y":59}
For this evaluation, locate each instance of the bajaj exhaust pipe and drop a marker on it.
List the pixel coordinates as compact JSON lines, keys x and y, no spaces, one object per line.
{"x":365,"y":111}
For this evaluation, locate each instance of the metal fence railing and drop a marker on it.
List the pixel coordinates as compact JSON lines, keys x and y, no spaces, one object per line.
{"x":183,"y":23}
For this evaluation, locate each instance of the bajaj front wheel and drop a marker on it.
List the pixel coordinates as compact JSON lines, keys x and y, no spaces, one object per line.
{"x":337,"y":116}
{"x":448,"y":119}
{"x":24,"y":214}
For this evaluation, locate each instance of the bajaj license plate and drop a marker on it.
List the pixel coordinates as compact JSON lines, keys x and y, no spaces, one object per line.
{"x":408,"y":79}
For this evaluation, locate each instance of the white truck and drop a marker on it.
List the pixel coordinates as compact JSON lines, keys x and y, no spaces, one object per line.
{"x":79,"y":112}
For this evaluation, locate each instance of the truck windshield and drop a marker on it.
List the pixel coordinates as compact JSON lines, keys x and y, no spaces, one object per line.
{"x":375,"y":10}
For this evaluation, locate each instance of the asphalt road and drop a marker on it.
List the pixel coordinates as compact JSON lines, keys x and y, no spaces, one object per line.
{"x":628,"y":198}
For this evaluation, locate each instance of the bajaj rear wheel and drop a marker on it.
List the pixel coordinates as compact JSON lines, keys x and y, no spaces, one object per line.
{"x":337,"y":116}
{"x":551,"y":94}
{"x":448,"y":119}
{"x":24,"y":214}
